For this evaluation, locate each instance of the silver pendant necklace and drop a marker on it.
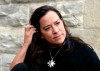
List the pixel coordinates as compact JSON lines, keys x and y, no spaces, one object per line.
{"x":51,"y":63}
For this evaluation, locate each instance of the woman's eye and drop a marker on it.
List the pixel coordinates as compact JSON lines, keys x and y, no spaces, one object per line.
{"x":47,"y":28}
{"x":57,"y":23}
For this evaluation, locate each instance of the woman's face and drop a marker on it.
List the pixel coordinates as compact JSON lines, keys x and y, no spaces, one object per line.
{"x":52,"y":29}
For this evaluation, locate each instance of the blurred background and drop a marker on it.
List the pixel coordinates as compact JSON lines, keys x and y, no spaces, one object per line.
{"x":81,"y":16}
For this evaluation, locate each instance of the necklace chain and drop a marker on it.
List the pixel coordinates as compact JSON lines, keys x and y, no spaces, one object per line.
{"x":55,"y":54}
{"x":51,"y":62}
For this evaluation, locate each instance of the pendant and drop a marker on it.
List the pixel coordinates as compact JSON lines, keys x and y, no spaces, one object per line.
{"x":51,"y":63}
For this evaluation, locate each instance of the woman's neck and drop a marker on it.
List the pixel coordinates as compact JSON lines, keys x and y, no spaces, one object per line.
{"x":56,"y":45}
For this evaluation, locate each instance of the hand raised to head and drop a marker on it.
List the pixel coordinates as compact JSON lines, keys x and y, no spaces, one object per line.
{"x":29,"y":31}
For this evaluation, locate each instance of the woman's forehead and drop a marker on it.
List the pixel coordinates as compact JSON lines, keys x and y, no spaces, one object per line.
{"x":51,"y":16}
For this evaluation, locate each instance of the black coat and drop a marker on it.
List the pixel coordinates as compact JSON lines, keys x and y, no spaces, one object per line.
{"x":80,"y":57}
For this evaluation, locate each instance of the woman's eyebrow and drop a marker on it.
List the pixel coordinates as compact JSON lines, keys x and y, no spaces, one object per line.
{"x":56,"y":21}
{"x":46,"y":26}
{"x":49,"y":24}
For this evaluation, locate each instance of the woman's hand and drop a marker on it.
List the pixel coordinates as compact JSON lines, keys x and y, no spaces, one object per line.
{"x":20,"y":56}
{"x":29,"y":31}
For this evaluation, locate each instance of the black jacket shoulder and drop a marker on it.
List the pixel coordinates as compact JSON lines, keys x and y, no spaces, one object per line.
{"x":83,"y":57}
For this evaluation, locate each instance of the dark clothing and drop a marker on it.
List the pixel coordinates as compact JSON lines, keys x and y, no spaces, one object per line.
{"x":20,"y":67}
{"x":80,"y":57}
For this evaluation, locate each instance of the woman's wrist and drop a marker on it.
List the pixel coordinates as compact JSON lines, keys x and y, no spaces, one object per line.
{"x":25,"y":45}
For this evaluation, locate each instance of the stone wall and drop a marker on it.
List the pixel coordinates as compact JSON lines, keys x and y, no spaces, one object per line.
{"x":82,"y":16}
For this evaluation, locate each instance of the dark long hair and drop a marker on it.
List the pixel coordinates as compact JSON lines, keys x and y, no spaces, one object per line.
{"x":34,"y":55}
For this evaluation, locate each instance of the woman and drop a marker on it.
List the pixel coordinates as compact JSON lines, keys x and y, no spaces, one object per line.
{"x":48,"y":46}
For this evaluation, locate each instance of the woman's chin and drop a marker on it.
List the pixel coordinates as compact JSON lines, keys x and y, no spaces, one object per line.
{"x":58,"y":43}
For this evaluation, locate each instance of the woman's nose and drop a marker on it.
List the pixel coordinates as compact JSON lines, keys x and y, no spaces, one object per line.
{"x":55,"y":29}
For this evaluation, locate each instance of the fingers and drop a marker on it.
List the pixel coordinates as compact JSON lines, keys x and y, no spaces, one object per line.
{"x":30,"y":27}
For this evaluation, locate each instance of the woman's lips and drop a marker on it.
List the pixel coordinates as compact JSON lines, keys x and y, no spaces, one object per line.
{"x":57,"y":36}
